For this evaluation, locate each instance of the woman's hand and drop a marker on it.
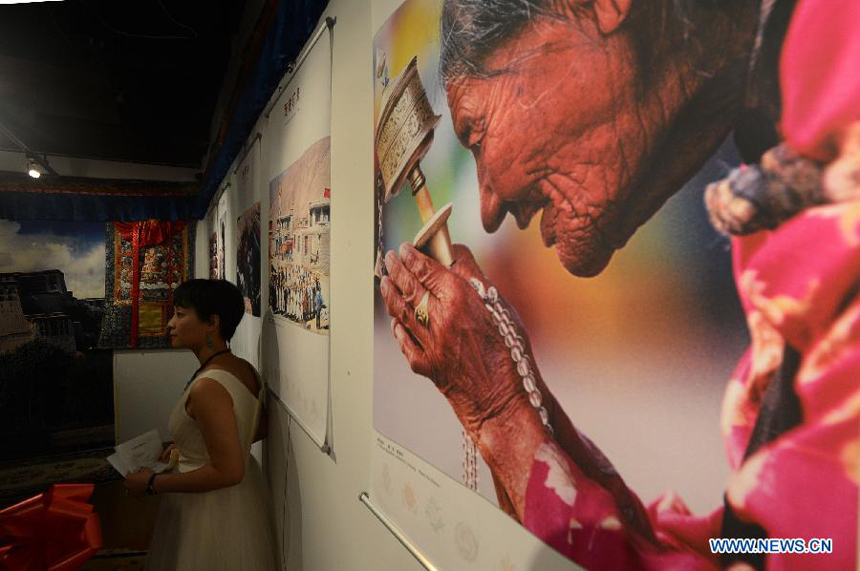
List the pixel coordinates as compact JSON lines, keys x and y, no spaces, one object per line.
{"x":165,"y":456}
{"x":459,"y":348}
{"x":135,"y":484}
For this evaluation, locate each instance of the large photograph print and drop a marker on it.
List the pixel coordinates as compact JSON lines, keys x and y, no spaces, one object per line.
{"x":56,"y":386}
{"x":617,"y":250}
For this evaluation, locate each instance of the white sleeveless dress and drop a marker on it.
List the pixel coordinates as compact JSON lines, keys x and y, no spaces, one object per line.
{"x":227,"y":529}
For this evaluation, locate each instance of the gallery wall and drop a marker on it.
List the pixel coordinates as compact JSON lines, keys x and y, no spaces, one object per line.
{"x":316,"y":475}
{"x":380,"y":475}
{"x":323,"y":525}
{"x":146,"y":386}
{"x":314,"y":496}
{"x":320,"y":521}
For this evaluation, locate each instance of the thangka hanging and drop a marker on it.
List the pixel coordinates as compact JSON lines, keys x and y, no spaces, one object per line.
{"x":145,"y":262}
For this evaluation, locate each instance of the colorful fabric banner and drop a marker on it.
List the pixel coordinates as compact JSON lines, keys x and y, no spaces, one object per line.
{"x":145,"y":262}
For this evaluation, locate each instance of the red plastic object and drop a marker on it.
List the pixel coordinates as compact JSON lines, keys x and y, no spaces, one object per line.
{"x":56,"y":530}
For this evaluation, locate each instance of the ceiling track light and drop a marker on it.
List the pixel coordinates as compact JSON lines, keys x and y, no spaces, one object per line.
{"x":33,"y":168}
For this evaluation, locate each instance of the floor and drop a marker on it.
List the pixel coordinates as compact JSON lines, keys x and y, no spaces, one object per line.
{"x":20,"y":479}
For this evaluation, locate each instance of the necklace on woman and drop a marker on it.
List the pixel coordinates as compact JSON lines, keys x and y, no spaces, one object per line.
{"x":206,"y":362}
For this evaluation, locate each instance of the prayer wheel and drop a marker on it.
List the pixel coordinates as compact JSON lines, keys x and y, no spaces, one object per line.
{"x":403,"y":136}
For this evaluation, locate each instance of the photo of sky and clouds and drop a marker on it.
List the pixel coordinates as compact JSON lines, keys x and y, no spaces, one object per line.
{"x":75,"y":248}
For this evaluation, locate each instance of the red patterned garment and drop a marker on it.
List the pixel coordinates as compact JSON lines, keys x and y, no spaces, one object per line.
{"x":818,"y":75}
{"x":799,"y":286}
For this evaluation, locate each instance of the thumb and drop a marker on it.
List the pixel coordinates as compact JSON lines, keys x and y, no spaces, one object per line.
{"x":465,"y":265}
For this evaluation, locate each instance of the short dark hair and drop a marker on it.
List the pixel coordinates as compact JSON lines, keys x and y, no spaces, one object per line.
{"x":213,"y":297}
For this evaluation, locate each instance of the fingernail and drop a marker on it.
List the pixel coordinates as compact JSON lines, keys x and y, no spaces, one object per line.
{"x":405,"y":251}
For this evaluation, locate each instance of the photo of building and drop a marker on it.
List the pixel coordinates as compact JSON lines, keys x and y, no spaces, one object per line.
{"x":299,"y":240}
{"x":56,"y":387}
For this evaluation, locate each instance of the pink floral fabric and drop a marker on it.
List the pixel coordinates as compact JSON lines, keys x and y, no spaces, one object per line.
{"x":818,"y":75}
{"x":800,"y":286}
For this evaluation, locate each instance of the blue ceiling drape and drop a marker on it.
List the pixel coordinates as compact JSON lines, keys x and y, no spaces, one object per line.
{"x":284,"y":28}
{"x":94,"y":200}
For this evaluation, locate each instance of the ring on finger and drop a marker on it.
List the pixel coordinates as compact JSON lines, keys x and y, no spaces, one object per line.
{"x":422,"y":315}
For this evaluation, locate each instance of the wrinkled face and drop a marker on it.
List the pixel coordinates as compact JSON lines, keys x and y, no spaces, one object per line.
{"x":562,"y":129}
{"x":186,"y":330}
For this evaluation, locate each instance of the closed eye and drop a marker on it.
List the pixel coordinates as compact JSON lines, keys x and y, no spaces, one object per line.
{"x":463,"y":132}
{"x":470,"y":132}
{"x":474,"y":139}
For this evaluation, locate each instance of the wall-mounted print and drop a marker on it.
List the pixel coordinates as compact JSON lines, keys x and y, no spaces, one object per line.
{"x":299,"y":240}
{"x":213,"y":256}
{"x":248,"y":259}
{"x":56,"y":386}
{"x":222,"y":246}
{"x":296,"y":154}
{"x":618,"y":250}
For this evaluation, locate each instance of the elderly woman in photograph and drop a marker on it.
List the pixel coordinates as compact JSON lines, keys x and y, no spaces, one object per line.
{"x":595,"y":113}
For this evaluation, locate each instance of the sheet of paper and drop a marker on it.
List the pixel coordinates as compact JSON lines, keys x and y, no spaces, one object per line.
{"x":116,"y":461}
{"x":139,"y":452}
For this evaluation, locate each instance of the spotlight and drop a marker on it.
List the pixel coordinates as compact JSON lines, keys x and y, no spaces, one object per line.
{"x":34,"y":169}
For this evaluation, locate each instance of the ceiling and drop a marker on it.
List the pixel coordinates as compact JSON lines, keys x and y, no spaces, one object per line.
{"x":121,"y":80}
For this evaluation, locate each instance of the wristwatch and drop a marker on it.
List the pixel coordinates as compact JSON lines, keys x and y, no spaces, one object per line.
{"x":150,"y":488}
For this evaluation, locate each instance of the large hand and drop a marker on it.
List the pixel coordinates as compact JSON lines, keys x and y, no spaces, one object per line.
{"x":460,"y":349}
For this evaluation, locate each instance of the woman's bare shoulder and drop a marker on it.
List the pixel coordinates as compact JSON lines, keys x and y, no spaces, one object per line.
{"x":244,"y":371}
